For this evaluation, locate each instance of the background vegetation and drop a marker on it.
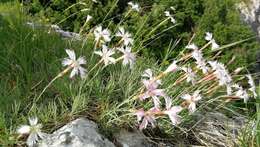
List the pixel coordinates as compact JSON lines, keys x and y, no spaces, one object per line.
{"x":220,"y":17}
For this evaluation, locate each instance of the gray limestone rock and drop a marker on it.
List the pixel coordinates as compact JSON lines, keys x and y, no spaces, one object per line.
{"x":78,"y":133}
{"x":216,"y":129}
{"x":250,"y":12}
{"x":132,"y":139}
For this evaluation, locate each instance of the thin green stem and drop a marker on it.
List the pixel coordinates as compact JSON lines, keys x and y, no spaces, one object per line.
{"x":47,"y":86}
{"x":156,"y":27}
{"x":54,"y":79}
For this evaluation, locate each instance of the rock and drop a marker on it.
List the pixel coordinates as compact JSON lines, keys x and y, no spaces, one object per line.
{"x":132,"y":139}
{"x":78,"y":133}
{"x":250,"y":12}
{"x":57,"y":29}
{"x":216,"y":129}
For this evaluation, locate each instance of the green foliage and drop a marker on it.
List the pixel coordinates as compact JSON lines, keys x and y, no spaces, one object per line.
{"x":193,"y":16}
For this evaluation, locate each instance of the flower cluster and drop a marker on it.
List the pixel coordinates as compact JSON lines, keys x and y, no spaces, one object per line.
{"x":151,"y":84}
{"x":211,"y":71}
{"x":124,"y":46}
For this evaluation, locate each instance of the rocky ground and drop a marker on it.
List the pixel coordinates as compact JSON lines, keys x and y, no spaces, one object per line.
{"x":213,"y":129}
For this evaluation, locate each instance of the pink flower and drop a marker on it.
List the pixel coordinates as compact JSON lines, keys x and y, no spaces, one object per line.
{"x":149,"y":74}
{"x":152,"y":91}
{"x":198,"y":56}
{"x":173,"y":114}
{"x":151,"y":85}
{"x":128,"y":57}
{"x":146,"y":117}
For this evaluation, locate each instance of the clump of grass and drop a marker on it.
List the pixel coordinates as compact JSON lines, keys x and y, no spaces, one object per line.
{"x":109,"y":93}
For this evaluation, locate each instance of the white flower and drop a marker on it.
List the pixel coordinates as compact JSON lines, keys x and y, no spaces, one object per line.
{"x":126,"y":37}
{"x":192,"y":46}
{"x":33,"y":130}
{"x":168,"y":102}
{"x":201,"y":64}
{"x":172,"y":68}
{"x":190,"y":75}
{"x":191,"y":100}
{"x":214,"y":45}
{"x":129,"y":57}
{"x":172,"y":8}
{"x":167,"y":14}
{"x":197,"y":55}
{"x":209,"y":37}
{"x":106,"y":54}
{"x":149,"y":74}
{"x":75,"y":63}
{"x":221,"y":73}
{"x":241,"y":93}
{"x":102,"y":35}
{"x":24,"y":129}
{"x":88,"y":18}
{"x":252,"y":85}
{"x":229,"y":89}
{"x":134,"y":6}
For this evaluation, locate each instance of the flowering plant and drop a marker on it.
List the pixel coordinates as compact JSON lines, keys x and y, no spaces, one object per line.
{"x":163,"y":94}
